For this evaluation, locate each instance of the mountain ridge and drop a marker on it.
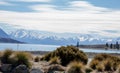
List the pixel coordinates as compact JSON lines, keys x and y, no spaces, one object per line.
{"x":5,"y":38}
{"x":51,"y":38}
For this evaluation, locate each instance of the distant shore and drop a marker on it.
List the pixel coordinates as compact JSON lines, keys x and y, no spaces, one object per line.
{"x":89,"y":54}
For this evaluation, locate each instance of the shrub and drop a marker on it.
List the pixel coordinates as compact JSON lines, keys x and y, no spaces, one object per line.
{"x":75,"y":67}
{"x":88,"y":70}
{"x":94,"y":64}
{"x":108,"y":64}
{"x":67,"y":54}
{"x":22,"y":58}
{"x":55,"y":60}
{"x":37,"y":59}
{"x":108,"y":61}
{"x":100,"y":68}
{"x":5,"y":57}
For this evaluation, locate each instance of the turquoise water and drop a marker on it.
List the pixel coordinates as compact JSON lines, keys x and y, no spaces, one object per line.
{"x":36,"y":47}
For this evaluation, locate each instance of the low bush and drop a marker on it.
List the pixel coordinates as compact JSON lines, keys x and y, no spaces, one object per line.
{"x":55,"y":60}
{"x":100,"y":68}
{"x":94,"y":64}
{"x":109,"y":62}
{"x":75,"y":67}
{"x":22,"y":58}
{"x":88,"y":70}
{"x":37,"y":59}
{"x":5,"y":56}
{"x":67,"y":54}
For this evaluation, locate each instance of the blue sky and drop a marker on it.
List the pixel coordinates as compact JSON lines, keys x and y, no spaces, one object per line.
{"x":75,"y":16}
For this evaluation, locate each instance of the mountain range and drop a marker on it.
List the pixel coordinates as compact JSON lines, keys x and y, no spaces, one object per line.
{"x":5,"y":38}
{"x":51,"y":38}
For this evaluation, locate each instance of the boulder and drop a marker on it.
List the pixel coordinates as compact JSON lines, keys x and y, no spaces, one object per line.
{"x":21,"y":69}
{"x":6,"y":68}
{"x":36,"y":71}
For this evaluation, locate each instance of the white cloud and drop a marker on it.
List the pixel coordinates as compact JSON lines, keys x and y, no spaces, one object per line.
{"x":90,"y":18}
{"x":31,"y":0}
{"x":4,"y":3}
{"x":86,"y":6}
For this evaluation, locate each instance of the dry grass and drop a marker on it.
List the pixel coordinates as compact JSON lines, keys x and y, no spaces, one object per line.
{"x":75,"y":67}
{"x":55,"y":60}
{"x":36,"y":59}
{"x":67,"y":54}
{"x":5,"y":56}
{"x":105,"y":62}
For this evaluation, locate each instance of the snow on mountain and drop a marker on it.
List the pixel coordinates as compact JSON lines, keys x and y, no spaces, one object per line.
{"x":43,"y":37}
{"x":4,"y":38}
{"x":3,"y":34}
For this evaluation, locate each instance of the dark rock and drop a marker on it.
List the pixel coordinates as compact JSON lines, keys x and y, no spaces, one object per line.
{"x":6,"y":68}
{"x":21,"y":69}
{"x":36,"y":71}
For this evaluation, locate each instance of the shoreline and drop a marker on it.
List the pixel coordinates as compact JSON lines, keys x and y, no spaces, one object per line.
{"x":89,"y":54}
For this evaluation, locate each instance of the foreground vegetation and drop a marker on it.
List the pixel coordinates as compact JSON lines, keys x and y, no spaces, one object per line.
{"x":66,"y":55}
{"x":15,"y":58}
{"x":76,"y":61}
{"x":68,"y":59}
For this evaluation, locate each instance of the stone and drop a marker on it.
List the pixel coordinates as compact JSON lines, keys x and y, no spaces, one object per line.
{"x":21,"y":69}
{"x":36,"y":71}
{"x":6,"y":68}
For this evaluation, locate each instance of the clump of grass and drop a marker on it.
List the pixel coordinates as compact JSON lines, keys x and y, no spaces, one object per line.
{"x":67,"y":54}
{"x":22,"y":58}
{"x":16,"y":58}
{"x":75,"y":67}
{"x":94,"y":64}
{"x":55,"y":60}
{"x":109,"y":62}
{"x":37,"y":59}
{"x":5,"y":56}
{"x":88,"y":70}
{"x":100,"y":68}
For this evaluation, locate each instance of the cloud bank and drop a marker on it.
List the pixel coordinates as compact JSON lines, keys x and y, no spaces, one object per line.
{"x":77,"y":17}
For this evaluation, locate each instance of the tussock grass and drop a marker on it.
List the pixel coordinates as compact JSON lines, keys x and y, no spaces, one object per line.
{"x":55,"y":60}
{"x":75,"y":67}
{"x":105,"y":62}
{"x":88,"y":70}
{"x":22,"y":58}
{"x":94,"y":64}
{"x":16,"y":58}
{"x":67,"y":54}
{"x":5,"y":56}
{"x":36,"y":59}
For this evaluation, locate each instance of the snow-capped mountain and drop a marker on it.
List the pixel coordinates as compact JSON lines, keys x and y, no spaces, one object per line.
{"x":43,"y":37}
{"x":3,"y":34}
{"x":4,"y":38}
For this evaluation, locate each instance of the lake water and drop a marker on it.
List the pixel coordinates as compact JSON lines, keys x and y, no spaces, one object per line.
{"x":36,"y":47}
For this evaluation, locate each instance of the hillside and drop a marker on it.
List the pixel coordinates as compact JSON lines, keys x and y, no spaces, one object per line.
{"x":5,"y":38}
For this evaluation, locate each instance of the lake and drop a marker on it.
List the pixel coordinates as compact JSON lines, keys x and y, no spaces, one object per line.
{"x":37,"y":47}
